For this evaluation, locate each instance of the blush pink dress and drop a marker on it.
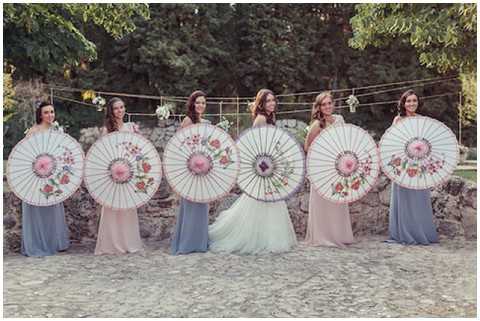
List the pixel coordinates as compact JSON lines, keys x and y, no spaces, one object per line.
{"x":328,"y":223}
{"x":118,"y":231}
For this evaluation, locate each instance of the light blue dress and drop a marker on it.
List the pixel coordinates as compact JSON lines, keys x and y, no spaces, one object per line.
{"x":191,"y":228}
{"x":44,"y":230}
{"x":411,"y":217}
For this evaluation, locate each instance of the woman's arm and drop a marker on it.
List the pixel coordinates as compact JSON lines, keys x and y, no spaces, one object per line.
{"x":311,"y":135}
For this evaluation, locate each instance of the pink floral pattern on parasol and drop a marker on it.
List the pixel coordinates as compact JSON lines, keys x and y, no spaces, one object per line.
{"x":44,"y":165}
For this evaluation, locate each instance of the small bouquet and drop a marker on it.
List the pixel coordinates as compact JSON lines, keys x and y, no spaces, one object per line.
{"x":100,"y":102}
{"x":224,"y":124}
{"x":353,"y":103}
{"x":163,"y":112}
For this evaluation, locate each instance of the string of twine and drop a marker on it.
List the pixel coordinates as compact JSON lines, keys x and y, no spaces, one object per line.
{"x":243,"y":114}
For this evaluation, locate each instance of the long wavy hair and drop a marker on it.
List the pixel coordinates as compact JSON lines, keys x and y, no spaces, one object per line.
{"x":190,"y":105}
{"x":110,"y":123}
{"x":258,"y":107}
{"x":401,"y":103}
{"x":317,"y":111}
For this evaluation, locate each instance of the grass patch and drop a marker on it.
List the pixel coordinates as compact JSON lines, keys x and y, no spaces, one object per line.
{"x":469,"y":174}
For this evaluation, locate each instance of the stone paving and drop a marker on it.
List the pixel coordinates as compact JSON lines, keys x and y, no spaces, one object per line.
{"x":368,"y":279}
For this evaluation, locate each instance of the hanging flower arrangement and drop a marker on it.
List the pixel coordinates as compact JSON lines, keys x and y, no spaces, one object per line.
{"x":99,"y":101}
{"x":353,"y":103}
{"x":163,"y":112}
{"x":225,"y":124}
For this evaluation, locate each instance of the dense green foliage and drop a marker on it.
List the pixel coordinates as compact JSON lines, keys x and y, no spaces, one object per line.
{"x":444,"y":36}
{"x":41,"y":38}
{"x":234,"y":50}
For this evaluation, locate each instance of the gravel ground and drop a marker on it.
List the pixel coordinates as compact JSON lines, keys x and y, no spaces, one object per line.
{"x":368,"y":279}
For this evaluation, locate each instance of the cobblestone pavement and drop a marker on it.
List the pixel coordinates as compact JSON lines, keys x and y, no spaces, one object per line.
{"x":368,"y":279}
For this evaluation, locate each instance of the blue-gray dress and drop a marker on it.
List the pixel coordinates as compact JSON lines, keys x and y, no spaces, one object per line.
{"x":44,"y":230}
{"x":191,"y":229}
{"x":411,"y":217}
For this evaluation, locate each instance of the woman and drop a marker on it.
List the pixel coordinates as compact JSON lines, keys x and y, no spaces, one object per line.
{"x":44,"y":230}
{"x":118,"y":231}
{"x":251,"y":226}
{"x":191,"y":229}
{"x":328,"y":223}
{"x":411,"y":214}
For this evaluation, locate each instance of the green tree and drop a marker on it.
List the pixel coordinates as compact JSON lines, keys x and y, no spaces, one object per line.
{"x":45,"y":38}
{"x":444,"y":36}
{"x":230,"y":50}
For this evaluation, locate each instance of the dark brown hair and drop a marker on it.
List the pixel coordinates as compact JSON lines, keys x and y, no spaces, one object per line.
{"x":191,"y":113}
{"x":258,"y":107}
{"x":38,"y":111}
{"x":110,"y":122}
{"x":401,"y":103}
{"x":317,"y":111}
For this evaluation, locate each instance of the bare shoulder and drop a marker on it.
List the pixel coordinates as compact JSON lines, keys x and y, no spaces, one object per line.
{"x":315,"y":124}
{"x":34,"y":129}
{"x":397,"y":119}
{"x":103,"y":131}
{"x":260,"y":120}
{"x":187,"y":121}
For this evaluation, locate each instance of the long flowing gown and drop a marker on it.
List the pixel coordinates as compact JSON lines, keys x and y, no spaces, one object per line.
{"x":44,"y":229}
{"x":191,"y":227}
{"x":118,"y":231}
{"x":328,"y":223}
{"x":250,"y":226}
{"x":253,"y":227}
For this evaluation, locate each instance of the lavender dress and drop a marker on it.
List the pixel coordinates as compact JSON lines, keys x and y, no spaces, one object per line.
{"x":411,"y":217}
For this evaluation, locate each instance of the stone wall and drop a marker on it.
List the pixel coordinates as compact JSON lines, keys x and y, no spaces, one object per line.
{"x":158,"y":135}
{"x":454,"y":205}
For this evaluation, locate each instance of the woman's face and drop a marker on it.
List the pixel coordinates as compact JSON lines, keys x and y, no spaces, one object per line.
{"x":326,"y":106}
{"x":411,"y":104}
{"x":118,"y":110}
{"x":48,"y":114}
{"x":200,"y":105}
{"x":270,"y":104}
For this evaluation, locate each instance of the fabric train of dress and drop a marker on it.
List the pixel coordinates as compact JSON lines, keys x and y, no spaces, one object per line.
{"x":253,"y":227}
